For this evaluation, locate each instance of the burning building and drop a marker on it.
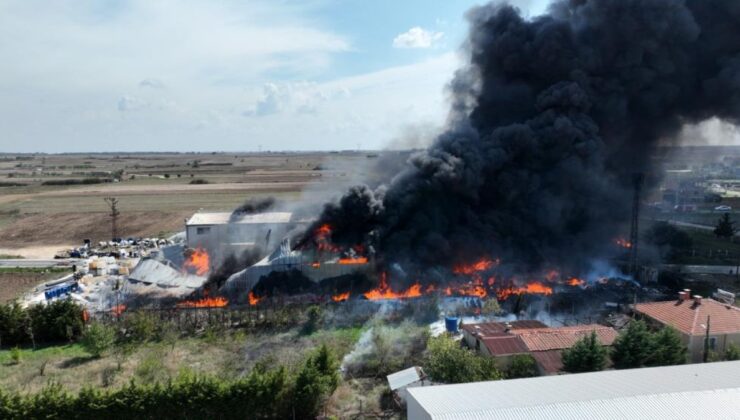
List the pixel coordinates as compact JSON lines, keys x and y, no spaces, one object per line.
{"x":224,"y":232}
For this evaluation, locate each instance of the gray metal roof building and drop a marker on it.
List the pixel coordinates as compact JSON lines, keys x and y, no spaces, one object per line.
{"x":698,"y":391}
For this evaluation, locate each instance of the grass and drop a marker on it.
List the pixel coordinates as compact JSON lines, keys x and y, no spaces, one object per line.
{"x":228,"y":354}
{"x":10,"y":257}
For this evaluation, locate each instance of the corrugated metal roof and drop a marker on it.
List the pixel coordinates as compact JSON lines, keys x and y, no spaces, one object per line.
{"x":692,"y":405}
{"x":482,"y":399}
{"x":403,"y":378}
{"x":504,"y":344}
{"x":564,"y":337}
{"x":689,"y":318}
{"x":551,"y":361}
{"x":222,"y":218}
{"x":155,"y":272}
{"x":486,"y":329}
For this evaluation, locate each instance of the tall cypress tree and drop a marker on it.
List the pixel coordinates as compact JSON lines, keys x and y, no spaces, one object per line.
{"x":587,"y":355}
{"x":667,"y":349}
{"x":633,"y":346}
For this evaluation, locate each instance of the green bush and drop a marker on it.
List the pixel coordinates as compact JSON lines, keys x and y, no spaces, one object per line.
{"x":587,"y":355}
{"x":15,"y":355}
{"x":732,"y":352}
{"x":97,"y":339}
{"x":522,"y":366}
{"x":141,"y":327}
{"x":60,"y":320}
{"x":264,"y":393}
{"x":448,"y":362}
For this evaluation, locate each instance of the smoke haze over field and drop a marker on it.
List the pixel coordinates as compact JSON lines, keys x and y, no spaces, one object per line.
{"x":550,"y":118}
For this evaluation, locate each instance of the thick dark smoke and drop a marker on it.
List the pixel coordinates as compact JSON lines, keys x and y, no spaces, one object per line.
{"x":251,"y":206}
{"x":550,"y":118}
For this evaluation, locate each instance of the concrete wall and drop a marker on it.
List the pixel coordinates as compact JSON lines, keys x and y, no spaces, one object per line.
{"x":696,"y":344}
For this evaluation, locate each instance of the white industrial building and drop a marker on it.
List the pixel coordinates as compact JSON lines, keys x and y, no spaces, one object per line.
{"x":697,"y":391}
{"x":216,"y":230}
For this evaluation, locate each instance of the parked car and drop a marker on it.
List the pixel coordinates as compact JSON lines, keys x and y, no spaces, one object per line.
{"x":722,"y":208}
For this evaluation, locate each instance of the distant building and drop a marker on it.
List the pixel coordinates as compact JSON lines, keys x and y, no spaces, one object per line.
{"x":689,"y":317}
{"x":217,"y":230}
{"x":544,"y":344}
{"x":401,"y":381}
{"x":685,"y":392}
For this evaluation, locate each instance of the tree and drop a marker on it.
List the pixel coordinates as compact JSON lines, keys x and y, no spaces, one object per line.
{"x":522,"y":366}
{"x":732,"y":352}
{"x":315,"y":318}
{"x":725,"y":227}
{"x":447,"y":362}
{"x":316,"y":380}
{"x":667,"y":349}
{"x":587,"y":355}
{"x":632,"y":348}
{"x":97,"y":339}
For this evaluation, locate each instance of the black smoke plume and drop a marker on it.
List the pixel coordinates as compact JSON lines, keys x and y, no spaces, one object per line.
{"x":251,"y":206}
{"x":550,"y":118}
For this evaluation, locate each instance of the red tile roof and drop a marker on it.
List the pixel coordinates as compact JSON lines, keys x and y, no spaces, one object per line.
{"x":690,"y":318}
{"x":504,"y":344}
{"x":542,"y":339}
{"x":490,"y":329}
{"x":551,"y":361}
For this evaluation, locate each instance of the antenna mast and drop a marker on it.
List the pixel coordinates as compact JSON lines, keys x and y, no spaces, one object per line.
{"x":114,"y":213}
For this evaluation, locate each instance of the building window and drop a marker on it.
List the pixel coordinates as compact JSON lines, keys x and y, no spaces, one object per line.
{"x":203,"y":230}
{"x":712,"y":343}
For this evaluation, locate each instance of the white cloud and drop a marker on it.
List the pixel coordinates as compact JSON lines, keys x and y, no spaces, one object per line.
{"x":417,"y":37}
{"x":193,"y":75}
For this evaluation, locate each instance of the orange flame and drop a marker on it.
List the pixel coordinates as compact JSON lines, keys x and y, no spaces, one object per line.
{"x":322,"y":238}
{"x":340,"y":297}
{"x":623,"y":243}
{"x":384,"y":291}
{"x":253,"y":299}
{"x":206,"y":302}
{"x":118,"y":309}
{"x":530,"y":288}
{"x":481,"y":265}
{"x":198,"y":262}
{"x":351,"y":261}
{"x":316,"y":264}
{"x":575,"y":281}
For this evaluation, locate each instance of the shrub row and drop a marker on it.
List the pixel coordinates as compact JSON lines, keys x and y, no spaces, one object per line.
{"x":267,"y":392}
{"x":58,"y":321}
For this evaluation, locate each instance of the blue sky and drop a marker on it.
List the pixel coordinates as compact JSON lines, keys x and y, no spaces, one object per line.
{"x":187,"y":75}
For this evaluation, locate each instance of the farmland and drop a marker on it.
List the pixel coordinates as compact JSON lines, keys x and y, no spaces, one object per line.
{"x":156,"y":191}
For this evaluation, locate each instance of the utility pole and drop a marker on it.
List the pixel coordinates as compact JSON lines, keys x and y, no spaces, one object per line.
{"x":706,"y":343}
{"x":114,"y":213}
{"x":637,"y":180}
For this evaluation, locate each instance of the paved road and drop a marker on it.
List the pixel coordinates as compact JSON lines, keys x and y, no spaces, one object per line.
{"x":701,"y":269}
{"x":693,"y":225}
{"x":27,"y":263}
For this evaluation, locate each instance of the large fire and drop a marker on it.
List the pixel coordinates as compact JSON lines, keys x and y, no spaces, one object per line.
{"x":322,"y":238}
{"x":198,"y":262}
{"x":253,"y":299}
{"x":352,"y":261}
{"x":481,"y":265}
{"x":206,"y":302}
{"x":529,"y":288}
{"x":340,"y":297}
{"x":384,"y":291}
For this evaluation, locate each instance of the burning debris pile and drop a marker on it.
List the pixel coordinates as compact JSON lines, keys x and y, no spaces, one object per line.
{"x":551,"y":117}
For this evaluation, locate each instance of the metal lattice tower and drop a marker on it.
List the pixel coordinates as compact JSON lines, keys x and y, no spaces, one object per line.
{"x":114,"y":213}
{"x":637,"y":180}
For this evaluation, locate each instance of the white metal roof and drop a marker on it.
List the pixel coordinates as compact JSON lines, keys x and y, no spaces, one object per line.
{"x":403,"y":378}
{"x":152,"y":271}
{"x":633,"y":394}
{"x":222,"y":218}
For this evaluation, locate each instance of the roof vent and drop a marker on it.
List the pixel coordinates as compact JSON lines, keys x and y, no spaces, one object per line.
{"x":682,"y":296}
{"x":697,"y":299}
